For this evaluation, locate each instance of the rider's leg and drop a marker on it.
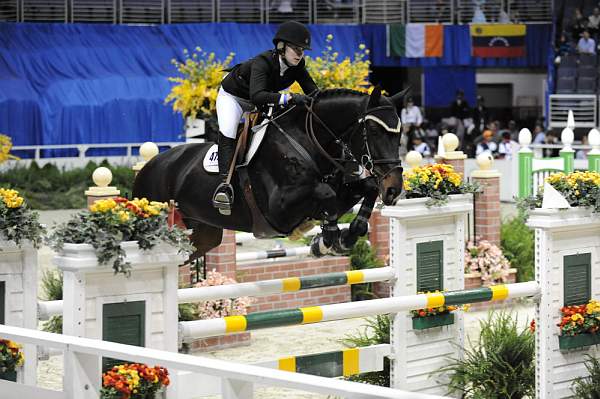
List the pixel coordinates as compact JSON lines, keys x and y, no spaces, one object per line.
{"x":228,"y":116}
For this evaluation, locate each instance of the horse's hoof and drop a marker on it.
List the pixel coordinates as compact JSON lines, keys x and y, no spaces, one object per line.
{"x":317,"y":248}
{"x":225,"y":212}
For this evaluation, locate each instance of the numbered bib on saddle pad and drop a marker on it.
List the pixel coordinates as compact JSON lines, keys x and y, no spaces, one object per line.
{"x":211,"y":159}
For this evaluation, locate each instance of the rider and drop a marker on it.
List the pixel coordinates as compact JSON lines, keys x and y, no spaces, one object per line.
{"x":256,"y":83}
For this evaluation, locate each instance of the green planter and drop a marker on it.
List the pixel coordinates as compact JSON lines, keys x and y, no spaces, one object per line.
{"x":578,"y":341}
{"x":9,"y":376}
{"x":423,"y":323}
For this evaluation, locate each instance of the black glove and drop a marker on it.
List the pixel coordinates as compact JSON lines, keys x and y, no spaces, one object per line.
{"x":300,"y":99}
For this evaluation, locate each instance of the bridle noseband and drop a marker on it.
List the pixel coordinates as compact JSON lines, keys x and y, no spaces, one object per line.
{"x":366,"y":160}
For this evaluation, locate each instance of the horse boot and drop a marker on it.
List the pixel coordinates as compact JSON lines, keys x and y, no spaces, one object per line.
{"x":224,"y":195}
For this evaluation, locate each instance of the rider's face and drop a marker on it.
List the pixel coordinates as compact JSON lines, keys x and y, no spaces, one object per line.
{"x":293,"y":54}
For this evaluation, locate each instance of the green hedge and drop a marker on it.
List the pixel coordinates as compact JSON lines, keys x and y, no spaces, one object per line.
{"x":49,"y":187}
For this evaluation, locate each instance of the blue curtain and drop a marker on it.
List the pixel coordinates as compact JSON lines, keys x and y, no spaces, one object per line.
{"x":94,"y":83}
{"x":441,"y":84}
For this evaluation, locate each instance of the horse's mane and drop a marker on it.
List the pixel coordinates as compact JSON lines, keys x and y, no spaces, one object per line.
{"x":328,"y":93}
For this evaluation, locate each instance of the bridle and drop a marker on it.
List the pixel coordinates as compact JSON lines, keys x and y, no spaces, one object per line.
{"x":373,"y":166}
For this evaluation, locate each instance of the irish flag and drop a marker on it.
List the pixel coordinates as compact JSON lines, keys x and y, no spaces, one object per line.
{"x":415,"y":40}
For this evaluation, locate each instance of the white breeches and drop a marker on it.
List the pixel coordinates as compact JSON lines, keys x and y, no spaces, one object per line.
{"x":229,"y":112}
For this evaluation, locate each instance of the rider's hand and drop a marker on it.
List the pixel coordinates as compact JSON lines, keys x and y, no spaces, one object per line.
{"x":300,"y":99}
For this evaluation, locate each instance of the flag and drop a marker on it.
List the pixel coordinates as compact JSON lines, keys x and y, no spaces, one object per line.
{"x":498,"y":40}
{"x":415,"y":40}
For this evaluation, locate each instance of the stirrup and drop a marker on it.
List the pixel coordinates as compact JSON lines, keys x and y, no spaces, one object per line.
{"x":223,"y":198}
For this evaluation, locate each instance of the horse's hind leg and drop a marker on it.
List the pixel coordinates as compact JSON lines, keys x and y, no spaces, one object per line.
{"x":204,"y":238}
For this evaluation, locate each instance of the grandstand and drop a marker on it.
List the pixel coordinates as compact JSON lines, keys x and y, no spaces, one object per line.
{"x":106,"y":77}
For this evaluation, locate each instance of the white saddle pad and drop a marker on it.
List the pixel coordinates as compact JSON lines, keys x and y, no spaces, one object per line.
{"x":211,"y":159}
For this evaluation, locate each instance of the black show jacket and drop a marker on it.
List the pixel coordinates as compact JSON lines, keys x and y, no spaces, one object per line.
{"x":259,"y":79}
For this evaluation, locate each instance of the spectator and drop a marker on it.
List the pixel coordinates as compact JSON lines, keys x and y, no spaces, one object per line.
{"x":582,"y":153}
{"x":486,"y":144}
{"x":507,"y":147}
{"x":513,"y":130}
{"x":420,"y":146}
{"x":411,"y":120}
{"x":551,"y":138}
{"x":564,"y":47}
{"x":578,"y":23}
{"x":471,"y":132}
{"x":586,"y":44}
{"x":459,"y":108}
{"x":480,"y":114}
{"x":539,"y":136}
{"x":594,"y":21}
{"x":431,"y":134}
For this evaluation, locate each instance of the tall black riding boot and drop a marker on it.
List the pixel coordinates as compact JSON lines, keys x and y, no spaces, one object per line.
{"x":223,"y":196}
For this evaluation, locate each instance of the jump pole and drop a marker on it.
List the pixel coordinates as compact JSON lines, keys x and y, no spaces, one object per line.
{"x":232,"y":324}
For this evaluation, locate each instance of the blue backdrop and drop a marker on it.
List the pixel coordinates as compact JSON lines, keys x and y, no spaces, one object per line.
{"x":77,"y":83}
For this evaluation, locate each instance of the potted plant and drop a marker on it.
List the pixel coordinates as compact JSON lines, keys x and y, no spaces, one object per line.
{"x":579,"y":325}
{"x":113,"y":227}
{"x":11,"y":358}
{"x":134,"y":381}
{"x":485,"y":261}
{"x":18,"y":223}
{"x":194,"y":94}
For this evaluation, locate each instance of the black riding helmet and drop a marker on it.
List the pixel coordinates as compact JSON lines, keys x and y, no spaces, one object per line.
{"x":294,"y":33}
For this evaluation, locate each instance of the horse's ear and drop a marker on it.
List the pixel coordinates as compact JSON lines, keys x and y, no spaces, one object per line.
{"x":375,"y":96}
{"x":398,"y":98}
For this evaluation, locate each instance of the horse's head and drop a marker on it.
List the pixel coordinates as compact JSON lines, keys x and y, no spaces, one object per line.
{"x":382,"y":139}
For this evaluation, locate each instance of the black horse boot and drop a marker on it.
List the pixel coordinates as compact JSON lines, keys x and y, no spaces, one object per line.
{"x":223,"y":196}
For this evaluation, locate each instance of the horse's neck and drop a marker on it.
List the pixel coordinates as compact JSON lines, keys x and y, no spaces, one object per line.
{"x":341,"y":118}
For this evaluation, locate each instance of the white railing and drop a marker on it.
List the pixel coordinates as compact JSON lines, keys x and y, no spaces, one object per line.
{"x":272,"y":11}
{"x":82,"y":371}
{"x":83,"y":148}
{"x":384,"y":11}
{"x":584,"y":106}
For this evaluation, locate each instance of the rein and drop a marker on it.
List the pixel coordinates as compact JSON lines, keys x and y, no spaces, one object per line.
{"x":366,"y":161}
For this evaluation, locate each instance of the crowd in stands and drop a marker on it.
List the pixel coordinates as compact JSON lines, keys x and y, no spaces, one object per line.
{"x":577,"y":47}
{"x":477,"y":131}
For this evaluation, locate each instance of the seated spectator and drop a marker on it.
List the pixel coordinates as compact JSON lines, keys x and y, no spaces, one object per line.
{"x":539,"y":136}
{"x":420,"y":146}
{"x":513,"y":130}
{"x":564,"y":47}
{"x":551,"y":138}
{"x":577,"y":24}
{"x":586,"y":44}
{"x":507,"y":148}
{"x":582,"y":153}
{"x":486,"y":144}
{"x":594,"y":21}
{"x":411,"y":120}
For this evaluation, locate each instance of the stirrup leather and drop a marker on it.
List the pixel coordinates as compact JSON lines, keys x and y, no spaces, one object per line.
{"x":223,"y":198}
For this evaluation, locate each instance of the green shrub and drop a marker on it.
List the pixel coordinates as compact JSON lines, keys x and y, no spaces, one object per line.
{"x":377,"y":331}
{"x":52,"y":288}
{"x":52,"y":188}
{"x":589,"y":387}
{"x":517,"y":242}
{"x":363,"y":256}
{"x":499,"y":366}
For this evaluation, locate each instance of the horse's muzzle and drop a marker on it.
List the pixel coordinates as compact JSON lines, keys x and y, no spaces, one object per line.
{"x":391,"y":186}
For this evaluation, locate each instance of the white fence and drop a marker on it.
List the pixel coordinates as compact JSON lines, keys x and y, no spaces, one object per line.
{"x":82,"y":372}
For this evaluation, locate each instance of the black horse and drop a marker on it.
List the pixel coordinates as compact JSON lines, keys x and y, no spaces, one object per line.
{"x":315,"y":163}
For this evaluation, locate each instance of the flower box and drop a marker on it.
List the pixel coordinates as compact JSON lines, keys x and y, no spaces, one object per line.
{"x":9,"y":376}
{"x":416,"y":207}
{"x":439,"y":320}
{"x":577,"y":341}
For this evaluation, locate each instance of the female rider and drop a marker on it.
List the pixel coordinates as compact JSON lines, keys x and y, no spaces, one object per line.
{"x":256,"y":83}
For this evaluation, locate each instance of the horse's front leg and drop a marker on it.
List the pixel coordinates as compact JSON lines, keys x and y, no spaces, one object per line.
{"x":360,"y":224}
{"x":323,"y":243}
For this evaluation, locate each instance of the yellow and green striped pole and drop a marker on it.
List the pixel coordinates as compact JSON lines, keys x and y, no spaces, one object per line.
{"x":291,"y":284}
{"x":233,"y":324}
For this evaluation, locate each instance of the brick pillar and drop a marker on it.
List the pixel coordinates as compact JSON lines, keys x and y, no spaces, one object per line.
{"x":487,"y":206}
{"x":379,"y":236}
{"x":448,"y":153}
{"x":185,"y":276}
{"x":222,"y":258}
{"x":457,"y":164}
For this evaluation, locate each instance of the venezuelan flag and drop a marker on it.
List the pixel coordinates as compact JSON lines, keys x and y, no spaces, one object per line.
{"x":498,"y":40}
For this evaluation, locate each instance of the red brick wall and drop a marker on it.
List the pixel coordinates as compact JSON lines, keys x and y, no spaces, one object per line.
{"x":458,"y":164}
{"x":267,"y":270}
{"x":222,"y":258}
{"x":487,"y":210}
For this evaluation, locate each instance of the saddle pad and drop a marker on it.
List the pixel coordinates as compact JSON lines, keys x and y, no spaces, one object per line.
{"x":211,"y":158}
